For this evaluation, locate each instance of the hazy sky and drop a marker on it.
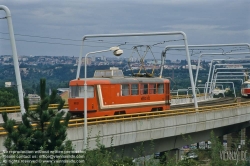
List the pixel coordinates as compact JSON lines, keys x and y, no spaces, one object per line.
{"x":203,"y":21}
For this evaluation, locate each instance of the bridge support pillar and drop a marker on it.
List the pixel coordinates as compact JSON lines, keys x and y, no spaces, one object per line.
{"x":170,"y":155}
{"x":247,"y":135}
{"x":236,"y":138}
{"x":174,"y":153}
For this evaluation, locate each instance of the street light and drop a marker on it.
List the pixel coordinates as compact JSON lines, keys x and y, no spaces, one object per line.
{"x":117,"y":52}
{"x":15,"y":58}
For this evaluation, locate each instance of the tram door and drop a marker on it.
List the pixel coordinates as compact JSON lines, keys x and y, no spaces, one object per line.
{"x":112,"y":94}
{"x":167,"y":91}
{"x":108,"y":92}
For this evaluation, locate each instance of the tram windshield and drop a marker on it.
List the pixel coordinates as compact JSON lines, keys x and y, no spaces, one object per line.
{"x":245,"y":86}
{"x":78,"y":91}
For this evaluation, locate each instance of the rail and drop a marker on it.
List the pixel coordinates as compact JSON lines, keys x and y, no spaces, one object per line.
{"x":148,"y":115}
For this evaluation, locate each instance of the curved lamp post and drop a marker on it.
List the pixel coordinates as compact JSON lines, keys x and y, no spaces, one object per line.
{"x":117,"y":52}
{"x":15,"y":59}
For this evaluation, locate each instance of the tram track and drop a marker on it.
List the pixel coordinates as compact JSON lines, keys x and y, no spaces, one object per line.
{"x":218,"y":101}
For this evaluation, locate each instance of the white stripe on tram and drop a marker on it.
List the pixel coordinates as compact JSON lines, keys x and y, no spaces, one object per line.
{"x":102,"y":106}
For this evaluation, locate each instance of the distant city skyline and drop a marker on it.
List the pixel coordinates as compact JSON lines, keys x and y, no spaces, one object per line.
{"x":56,"y":28}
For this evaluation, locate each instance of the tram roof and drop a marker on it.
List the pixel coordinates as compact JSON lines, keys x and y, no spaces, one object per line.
{"x":124,"y":80}
{"x":247,"y":82}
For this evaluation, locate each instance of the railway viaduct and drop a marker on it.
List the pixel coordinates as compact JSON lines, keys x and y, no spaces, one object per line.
{"x":166,"y":130}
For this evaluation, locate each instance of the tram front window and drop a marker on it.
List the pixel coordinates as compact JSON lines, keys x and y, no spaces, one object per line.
{"x":78,"y":91}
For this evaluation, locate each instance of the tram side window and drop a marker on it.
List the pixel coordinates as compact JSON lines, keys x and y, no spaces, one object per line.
{"x":124,"y":89}
{"x":160,"y":88}
{"x":134,"y":89}
{"x":152,"y":88}
{"x":90,"y":91}
{"x":74,"y":91}
{"x":108,"y":74}
{"x":144,"y":89}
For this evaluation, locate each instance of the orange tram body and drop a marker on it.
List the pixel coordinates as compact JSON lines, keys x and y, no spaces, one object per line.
{"x":245,"y":89}
{"x":110,"y":93}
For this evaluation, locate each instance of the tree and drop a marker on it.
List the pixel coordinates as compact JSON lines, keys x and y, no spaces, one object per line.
{"x":40,"y":129}
{"x":8,"y":97}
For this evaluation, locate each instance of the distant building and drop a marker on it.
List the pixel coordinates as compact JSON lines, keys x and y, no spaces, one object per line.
{"x":98,"y":58}
{"x":192,"y":67}
{"x":9,"y":84}
{"x":61,"y":90}
{"x":88,"y":61}
{"x":64,"y":93}
{"x":104,"y":58}
{"x":6,"y":58}
{"x":234,"y":66}
{"x":176,"y":62}
{"x":168,"y":62}
{"x":183,"y":62}
{"x":65,"y":96}
{"x":33,"y":99}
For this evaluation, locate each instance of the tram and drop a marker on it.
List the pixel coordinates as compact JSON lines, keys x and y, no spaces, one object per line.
{"x":110,"y":93}
{"x":245,"y":89}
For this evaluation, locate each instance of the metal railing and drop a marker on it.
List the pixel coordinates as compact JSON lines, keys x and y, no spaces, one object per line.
{"x":186,"y":96}
{"x":14,"y":109}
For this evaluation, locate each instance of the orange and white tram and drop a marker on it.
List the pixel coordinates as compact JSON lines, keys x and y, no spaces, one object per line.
{"x":110,"y":93}
{"x":245,"y":89}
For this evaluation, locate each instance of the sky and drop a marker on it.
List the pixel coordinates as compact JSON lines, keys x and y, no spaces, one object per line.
{"x":56,"y":28}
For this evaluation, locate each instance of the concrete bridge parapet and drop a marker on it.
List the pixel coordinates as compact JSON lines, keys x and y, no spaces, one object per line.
{"x":129,"y":132}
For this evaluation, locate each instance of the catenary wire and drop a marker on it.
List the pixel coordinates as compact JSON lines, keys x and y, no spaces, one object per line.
{"x":117,"y":42}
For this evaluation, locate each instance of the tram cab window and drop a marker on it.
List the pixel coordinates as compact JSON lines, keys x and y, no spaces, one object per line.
{"x":124,"y":89}
{"x":245,"y":85}
{"x":74,"y":91}
{"x":160,"y":88}
{"x":90,"y":91}
{"x":134,"y":89}
{"x":144,"y":89}
{"x":152,"y":88}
